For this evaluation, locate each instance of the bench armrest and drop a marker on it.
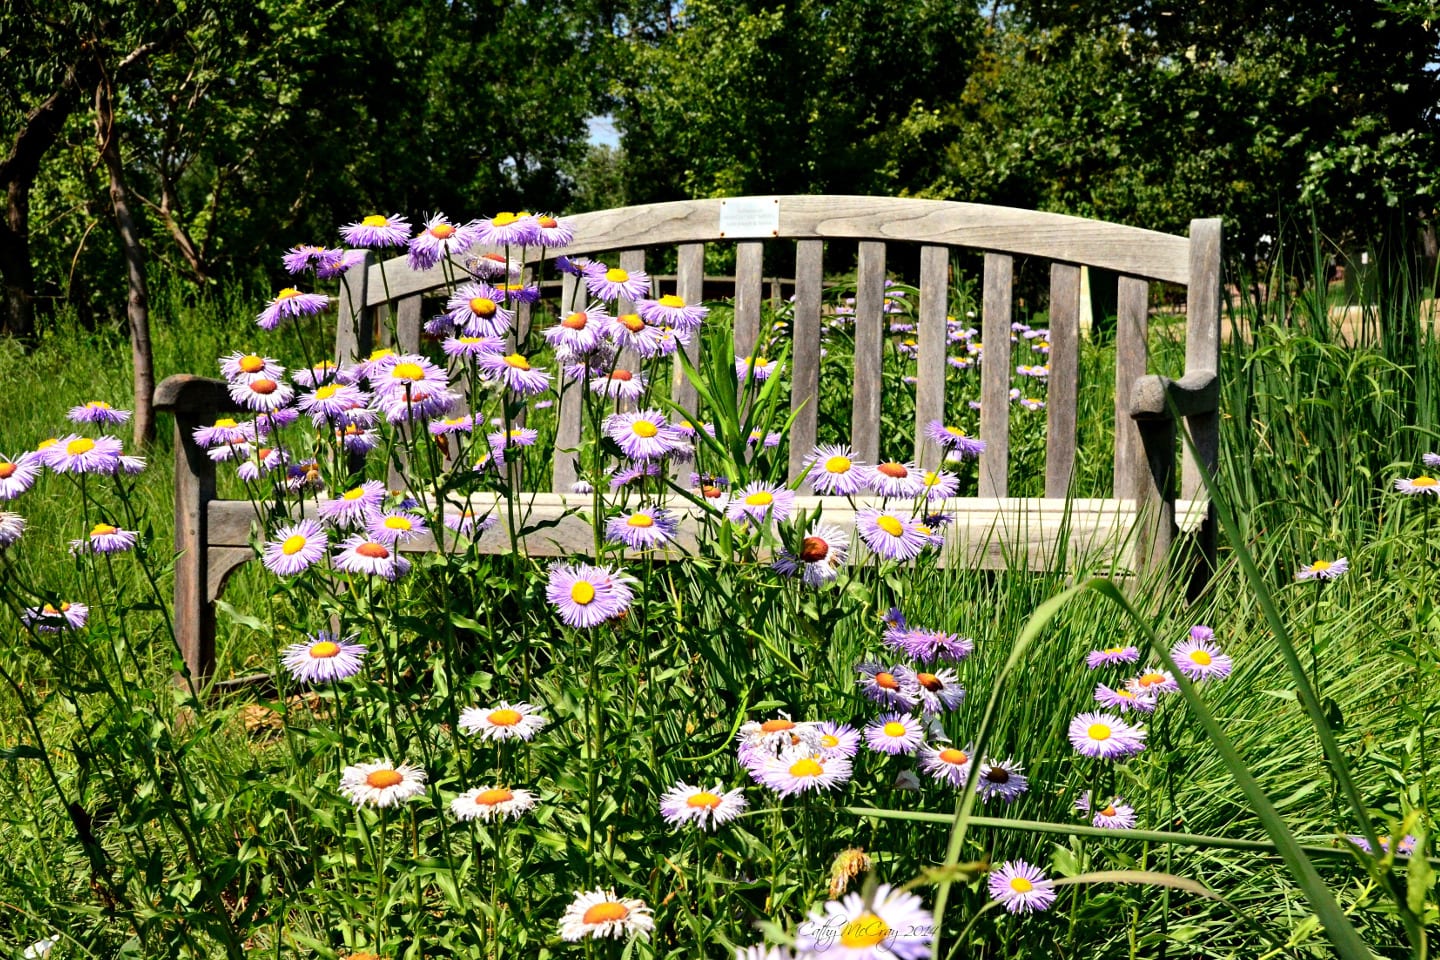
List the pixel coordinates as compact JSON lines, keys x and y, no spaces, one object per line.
{"x":1153,"y":397}
{"x":187,"y":393}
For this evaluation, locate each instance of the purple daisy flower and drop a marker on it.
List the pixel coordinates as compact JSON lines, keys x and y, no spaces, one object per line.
{"x":587,"y":596}
{"x":672,"y":311}
{"x":339,"y":265}
{"x":894,"y":733}
{"x":295,"y":548}
{"x":1325,"y":569}
{"x":516,"y":438}
{"x":12,"y":527}
{"x":439,"y":238}
{"x":298,"y":258}
{"x":1200,"y":659}
{"x":515,"y":372}
{"x":1104,"y":736}
{"x":1001,"y":780}
{"x":1423,"y":485}
{"x":835,"y":470}
{"x":417,"y":404}
{"x":470,"y":348}
{"x":266,"y":460}
{"x":629,"y":331}
{"x":360,"y":555}
{"x":507,"y":228}
{"x":76,"y":454}
{"x":800,"y":771}
{"x":760,"y":368}
{"x":354,"y":505}
{"x":357,"y":439}
{"x":377,"y":231}
{"x":760,"y":501}
{"x":410,"y":373}
{"x":890,"y":536}
{"x":324,"y":658}
{"x":476,"y":311}
{"x":895,"y":479}
{"x":642,"y":435}
{"x":1021,"y":887}
{"x":288,"y":304}
{"x":394,"y":527}
{"x":889,"y":686}
{"x":946,"y":764}
{"x":1116,"y":815}
{"x":579,"y":331}
{"x":939,"y":484}
{"x":105,"y":538}
{"x":837,"y":739}
{"x":331,"y":401}
{"x":52,"y":619}
{"x":443,"y":428}
{"x":1124,"y":700}
{"x":321,"y":373}
{"x":707,"y":809}
{"x":488,"y":266}
{"x":553,"y":231}
{"x":611,"y":284}
{"x":1110,"y":656}
{"x":1153,"y":681}
{"x":940,"y":691}
{"x":97,"y":411}
{"x":261,"y":395}
{"x":953,"y":439}
{"x":18,"y":475}
{"x":620,"y":384}
{"x":468,"y":524}
{"x":646,"y":529}
{"x":823,"y":551}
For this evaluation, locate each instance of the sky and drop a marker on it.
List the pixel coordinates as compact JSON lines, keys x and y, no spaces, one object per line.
{"x":603,"y":132}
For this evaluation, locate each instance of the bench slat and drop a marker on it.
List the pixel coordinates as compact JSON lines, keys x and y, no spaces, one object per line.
{"x":632,"y":261}
{"x":1064,"y":382}
{"x":1132,"y":325}
{"x":995,"y":315}
{"x":930,"y":372}
{"x":350,"y":321}
{"x":749,"y":266}
{"x":869,"y":350}
{"x":805,"y":355}
{"x":1202,"y":347}
{"x":690,"y":286}
{"x":571,"y":399}
{"x":407,"y":323}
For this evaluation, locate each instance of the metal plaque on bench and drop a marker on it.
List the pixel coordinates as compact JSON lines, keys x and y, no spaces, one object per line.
{"x":750,"y":217}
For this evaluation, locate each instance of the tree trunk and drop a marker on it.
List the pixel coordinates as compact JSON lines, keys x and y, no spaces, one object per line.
{"x":19,"y":317}
{"x":137,"y":306}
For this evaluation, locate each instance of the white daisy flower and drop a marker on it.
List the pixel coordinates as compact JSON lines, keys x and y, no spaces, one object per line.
{"x":600,"y":913}
{"x":491,"y":803}
{"x":381,"y":783}
{"x":506,"y":721}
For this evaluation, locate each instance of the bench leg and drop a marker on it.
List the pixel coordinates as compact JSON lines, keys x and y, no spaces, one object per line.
{"x":194,"y":612}
{"x":1155,"y":495}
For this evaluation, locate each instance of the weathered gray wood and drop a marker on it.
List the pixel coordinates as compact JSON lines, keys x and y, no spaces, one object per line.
{"x":1132,"y":325}
{"x":352,"y":317}
{"x":749,"y":264}
{"x":407,"y":324}
{"x":1202,"y":347}
{"x":1154,"y":397}
{"x":930,"y":373}
{"x":805,"y":355}
{"x":995,"y":313}
{"x":869,"y":347}
{"x":1063,"y":389}
{"x":690,"y":287}
{"x":1155,"y":495}
{"x":570,"y":406}
{"x":632,"y":261}
{"x":523,"y":316}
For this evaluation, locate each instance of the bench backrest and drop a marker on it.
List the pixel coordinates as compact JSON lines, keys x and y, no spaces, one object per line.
{"x":1001,"y":233}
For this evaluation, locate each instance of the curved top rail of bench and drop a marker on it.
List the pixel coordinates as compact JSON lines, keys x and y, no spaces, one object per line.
{"x":1128,"y":250}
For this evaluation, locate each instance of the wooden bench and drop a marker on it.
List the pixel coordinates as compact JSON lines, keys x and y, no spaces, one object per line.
{"x":213,"y":536}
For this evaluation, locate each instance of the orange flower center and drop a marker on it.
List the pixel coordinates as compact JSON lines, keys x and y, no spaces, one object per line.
{"x":493,"y":796}
{"x":576,"y":320}
{"x":631,"y":322}
{"x":814,"y":549}
{"x":930,"y":682}
{"x":952,"y":756}
{"x":7,"y":470}
{"x":264,"y":386}
{"x":372,"y":550}
{"x":325,"y":649}
{"x":886,"y":681}
{"x":607,"y":912}
{"x":1108,"y":811}
{"x":252,"y":363}
{"x":549,"y":223}
{"x":704,"y":799}
{"x":442,"y":231}
{"x":624,"y":376}
{"x":775,"y":726}
{"x":893,"y":469}
{"x":504,"y":717}
{"x":1151,"y":679}
{"x":381,"y":779}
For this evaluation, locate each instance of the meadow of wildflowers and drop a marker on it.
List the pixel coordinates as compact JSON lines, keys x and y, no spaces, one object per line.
{"x":795,"y":739}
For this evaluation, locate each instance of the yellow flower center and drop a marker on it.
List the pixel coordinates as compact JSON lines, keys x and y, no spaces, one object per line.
{"x":483,"y":306}
{"x":616,"y":275}
{"x":518,"y":362}
{"x":354,"y":494}
{"x":955,"y":431}
{"x":893,"y":469}
{"x":7,"y":470}
{"x":79,"y":446}
{"x":287,"y":293}
{"x":1320,"y":566}
{"x":760,"y":498}
{"x":504,"y":717}
{"x":493,"y":796}
{"x":1423,"y":481}
{"x":631,"y":322}
{"x":98,"y":405}
{"x":375,"y":220}
{"x":582,"y":592}
{"x":46,"y":444}
{"x":325,"y":649}
{"x":1114,"y":650}
{"x":806,"y":767}
{"x":952,"y":756}
{"x":607,"y":912}
{"x":890,"y":525}
{"x":103,"y":530}
{"x":829,"y":741}
{"x":704,"y":799}
{"x":576,"y":320}
{"x":1099,"y":731}
{"x":1021,"y":885}
{"x":838,"y":465}
{"x":381,"y":353}
{"x":641,"y":520}
{"x":381,"y":779}
{"x":442,"y":231}
{"x":1200,"y":658}
{"x":644,"y":428}
{"x":293,"y":544}
{"x":504,"y":219}
{"x":775,"y":726}
{"x":894,"y":729}
{"x":548,"y":223}
{"x":932,"y":479}
{"x":398,"y":523}
{"x":671,"y":300}
{"x":866,"y":930}
{"x":372,"y":550}
{"x":326,"y":392}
